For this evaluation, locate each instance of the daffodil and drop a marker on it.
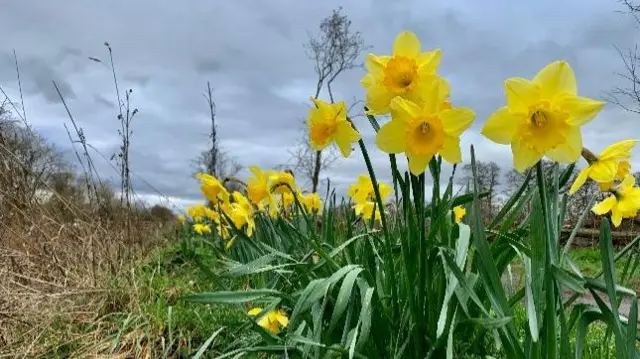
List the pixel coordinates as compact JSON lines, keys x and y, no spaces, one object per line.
{"x":459,"y":212}
{"x":240,"y":199}
{"x":240,"y":216}
{"x":212,"y":188}
{"x":182,"y":219}
{"x":274,"y":321}
{"x":312,"y":202}
{"x":258,"y":185}
{"x":281,"y":182}
{"x":363,"y":191}
{"x":423,"y":131}
{"x":202,"y":228}
{"x":328,"y":123}
{"x":611,"y":164}
{"x":406,"y":73}
{"x":366,"y":210}
{"x":623,"y":203}
{"x":542,"y":117}
{"x":197,"y":212}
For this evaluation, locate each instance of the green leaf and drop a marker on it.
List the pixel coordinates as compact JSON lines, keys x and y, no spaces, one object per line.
{"x":491,"y":323}
{"x":231,"y":297}
{"x":344,"y":295}
{"x":365,"y":317}
{"x":206,"y":344}
{"x":569,"y":280}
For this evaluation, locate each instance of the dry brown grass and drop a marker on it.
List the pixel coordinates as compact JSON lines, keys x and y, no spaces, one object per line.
{"x":60,"y":240}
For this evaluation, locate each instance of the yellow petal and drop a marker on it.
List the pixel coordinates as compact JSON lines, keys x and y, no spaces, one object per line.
{"x":385,"y":190}
{"x":255,"y":311}
{"x":523,"y":156}
{"x":451,"y":150}
{"x":404,"y":110}
{"x":434,"y":91}
{"x":628,"y":182}
{"x":521,"y":93}
{"x":429,"y":61}
{"x":616,"y":218}
{"x":570,"y":150}
{"x":417,"y":164}
{"x":556,"y":78}
{"x":390,"y":138}
{"x":378,"y":97}
{"x":345,"y":136}
{"x":457,"y":120}
{"x":603,"y":171}
{"x":375,"y":64}
{"x":604,"y":206}
{"x":618,"y":150}
{"x":581,"y":109}
{"x":501,"y":126}
{"x":406,"y":44}
{"x":580,"y":180}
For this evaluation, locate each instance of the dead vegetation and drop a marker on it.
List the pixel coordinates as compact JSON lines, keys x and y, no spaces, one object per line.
{"x":61,"y":238}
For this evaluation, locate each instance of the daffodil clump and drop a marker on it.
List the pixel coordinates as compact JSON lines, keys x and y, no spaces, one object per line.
{"x":423,"y":282}
{"x":270,"y":192}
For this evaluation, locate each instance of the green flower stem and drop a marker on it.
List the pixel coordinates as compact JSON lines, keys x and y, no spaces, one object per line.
{"x":383,"y":218}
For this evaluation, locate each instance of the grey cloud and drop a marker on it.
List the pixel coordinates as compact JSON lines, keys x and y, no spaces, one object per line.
{"x":253,"y":55}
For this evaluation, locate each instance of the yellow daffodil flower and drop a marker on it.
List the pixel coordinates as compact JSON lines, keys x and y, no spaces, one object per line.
{"x":459,"y":212}
{"x":197,"y":212}
{"x":279,"y":180}
{"x":312,"y":202}
{"x":366,"y":210}
{"x":422,"y":132}
{"x":182,"y":219}
{"x":274,"y":321}
{"x":362,"y":191}
{"x":258,"y":185}
{"x":406,"y":73}
{"x":542,"y":117}
{"x":623,"y":203}
{"x":212,"y":188}
{"x":328,"y":123}
{"x":201,"y":228}
{"x":240,"y":199}
{"x":611,"y":164}
{"x":239,"y":216}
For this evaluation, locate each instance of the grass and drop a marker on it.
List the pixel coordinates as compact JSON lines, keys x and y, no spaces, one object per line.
{"x":141,"y":314}
{"x":142,"y":317}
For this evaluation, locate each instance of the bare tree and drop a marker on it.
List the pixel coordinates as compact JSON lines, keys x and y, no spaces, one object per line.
{"x":488,"y":179}
{"x":334,"y":50}
{"x":628,"y":96}
{"x":212,"y":158}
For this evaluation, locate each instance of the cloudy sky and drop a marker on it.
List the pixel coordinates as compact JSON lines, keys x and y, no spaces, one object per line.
{"x":252,"y":53}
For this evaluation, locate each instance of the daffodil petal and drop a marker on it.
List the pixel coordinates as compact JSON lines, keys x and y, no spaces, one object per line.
{"x":618,"y":150}
{"x":429,"y":61}
{"x":603,"y":171}
{"x":616,"y":218}
{"x":521,"y":93}
{"x":457,"y":120}
{"x":403,"y":110}
{"x":345,"y":136}
{"x":581,"y":109}
{"x":556,"y":78}
{"x":523,"y":156}
{"x":604,"y":206}
{"x":375,"y":64}
{"x":378,"y":97}
{"x":570,"y":150}
{"x":501,"y":126}
{"x":434,"y":91}
{"x":417,"y":164}
{"x":451,"y":150}
{"x":390,"y":138}
{"x":406,"y":44}
{"x":628,"y":181}
{"x":580,"y":180}
{"x":255,"y":311}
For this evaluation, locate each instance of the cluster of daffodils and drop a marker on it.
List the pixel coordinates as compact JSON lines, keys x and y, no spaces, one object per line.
{"x":362,"y":193}
{"x":542,"y":117}
{"x":270,"y":192}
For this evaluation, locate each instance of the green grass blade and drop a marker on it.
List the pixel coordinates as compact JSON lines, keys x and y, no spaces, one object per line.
{"x":231,"y":297}
{"x":206,"y":344}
